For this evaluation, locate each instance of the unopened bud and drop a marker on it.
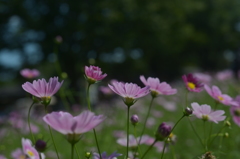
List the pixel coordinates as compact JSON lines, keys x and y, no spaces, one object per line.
{"x":88,"y":155}
{"x":188,"y":111}
{"x":226,"y":135}
{"x":163,"y":131}
{"x":227,"y":123}
{"x":40,"y":145}
{"x":134,"y":119}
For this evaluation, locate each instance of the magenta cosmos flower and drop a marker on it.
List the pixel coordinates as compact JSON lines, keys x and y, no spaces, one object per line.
{"x":205,"y":113}
{"x":156,"y":87}
{"x":235,"y":111}
{"x":29,"y":150}
{"x":43,"y":89}
{"x":192,"y":83}
{"x":105,"y":156}
{"x":94,"y":74}
{"x":65,"y":123}
{"x":28,"y":73}
{"x":129,"y":91}
{"x":219,"y":97}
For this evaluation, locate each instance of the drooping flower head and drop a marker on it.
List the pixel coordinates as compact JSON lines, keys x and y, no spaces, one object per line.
{"x":29,"y":150}
{"x":235,"y":111}
{"x":94,"y":74}
{"x":192,"y":83}
{"x":129,"y":91}
{"x":42,"y":89}
{"x":73,"y":127}
{"x":205,"y":113}
{"x":104,"y":155}
{"x":156,"y":87}
{"x":218,"y":96}
{"x":29,"y":74}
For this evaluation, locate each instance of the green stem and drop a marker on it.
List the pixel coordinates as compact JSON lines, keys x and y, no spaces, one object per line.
{"x":29,"y":110}
{"x":145,"y":122}
{"x":138,"y":147}
{"x":186,"y":99}
{"x":149,"y":148}
{"x":216,"y":136}
{"x":170,"y":134}
{"x":89,"y":107}
{"x":128,"y":128}
{"x":211,"y":125}
{"x":173,"y":152}
{"x":72,"y":150}
{"x":50,"y":130}
{"x":196,"y":132}
{"x":77,"y":152}
{"x":204,"y":135}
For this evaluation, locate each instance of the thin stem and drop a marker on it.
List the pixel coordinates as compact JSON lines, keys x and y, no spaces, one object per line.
{"x":186,"y":99}
{"x":77,"y":152}
{"x":138,"y":147}
{"x":149,"y":148}
{"x":29,"y":110}
{"x":204,"y":135}
{"x":72,"y":150}
{"x":196,"y":132}
{"x":177,"y":123}
{"x":211,"y":125}
{"x":144,"y":125}
{"x":216,"y":136}
{"x":50,"y":130}
{"x":89,"y":107}
{"x":173,"y":152}
{"x":127,"y":129}
{"x":164,"y":148}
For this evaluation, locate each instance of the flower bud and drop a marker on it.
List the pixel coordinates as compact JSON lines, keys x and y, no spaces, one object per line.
{"x":227,"y":123}
{"x":40,"y":145}
{"x":226,"y":135}
{"x":88,"y":155}
{"x":163,"y":131}
{"x":188,"y":111}
{"x":134,"y":119}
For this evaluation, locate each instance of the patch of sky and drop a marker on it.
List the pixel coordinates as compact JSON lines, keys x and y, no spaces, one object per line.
{"x":33,"y":52}
{"x":64,"y":8}
{"x":136,"y":54}
{"x":11,"y":58}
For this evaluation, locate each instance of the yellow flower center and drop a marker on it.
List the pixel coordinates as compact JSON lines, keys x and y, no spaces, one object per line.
{"x":30,"y":153}
{"x":220,"y":98}
{"x":205,"y":117}
{"x":191,"y":85}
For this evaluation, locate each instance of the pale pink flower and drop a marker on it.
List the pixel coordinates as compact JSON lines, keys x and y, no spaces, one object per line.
{"x":18,"y":154}
{"x":94,"y":74}
{"x":2,"y":157}
{"x":41,"y":88}
{"x":104,"y":155}
{"x":203,"y":77}
{"x":133,"y":142}
{"x":235,"y":111}
{"x":205,"y":113}
{"x":28,"y":73}
{"x":218,"y":96}
{"x":129,"y":91}
{"x":192,"y":83}
{"x":65,"y":123}
{"x":224,"y":75}
{"x":156,"y":87}
{"x":29,"y":150}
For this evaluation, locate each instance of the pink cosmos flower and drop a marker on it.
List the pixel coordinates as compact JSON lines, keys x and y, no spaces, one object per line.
{"x":156,"y":87}
{"x":94,"y":74}
{"x":132,"y":140}
{"x":205,"y":113}
{"x":29,"y":150}
{"x":192,"y":83}
{"x":2,"y":157}
{"x":129,"y":91}
{"x":224,"y":75}
{"x":105,"y":156}
{"x":218,"y":96}
{"x":203,"y":77}
{"x":41,"y":88}
{"x":28,"y":73}
{"x":235,"y":111}
{"x":65,"y":123}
